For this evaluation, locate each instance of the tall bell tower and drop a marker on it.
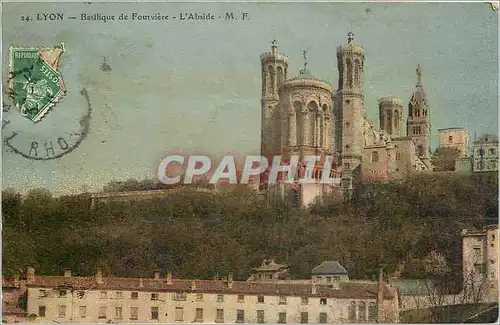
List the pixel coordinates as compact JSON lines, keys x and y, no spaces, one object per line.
{"x":418,"y":125}
{"x":274,"y":71}
{"x":350,"y":101}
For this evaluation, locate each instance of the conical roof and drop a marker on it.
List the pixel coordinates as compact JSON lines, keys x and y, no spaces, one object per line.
{"x":418,"y":98}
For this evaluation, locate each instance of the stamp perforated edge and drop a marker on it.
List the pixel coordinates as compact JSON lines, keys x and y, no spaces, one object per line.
{"x":58,"y":97}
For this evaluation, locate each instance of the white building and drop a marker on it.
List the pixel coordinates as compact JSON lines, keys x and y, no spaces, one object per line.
{"x":485,"y":154}
{"x":101,"y":299}
{"x":480,"y":261}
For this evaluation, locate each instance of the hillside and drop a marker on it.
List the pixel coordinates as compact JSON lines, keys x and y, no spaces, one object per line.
{"x":196,"y":234}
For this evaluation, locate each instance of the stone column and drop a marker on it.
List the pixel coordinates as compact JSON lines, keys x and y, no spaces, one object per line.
{"x":306,"y":128}
{"x":323,"y":131}
{"x":318,"y":128}
{"x":328,"y":134}
{"x":292,"y":129}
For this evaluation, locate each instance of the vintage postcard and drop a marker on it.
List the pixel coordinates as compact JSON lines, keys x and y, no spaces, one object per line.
{"x":249,"y":162}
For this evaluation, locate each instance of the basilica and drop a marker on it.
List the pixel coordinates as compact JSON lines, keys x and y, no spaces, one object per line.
{"x":304,"y":115}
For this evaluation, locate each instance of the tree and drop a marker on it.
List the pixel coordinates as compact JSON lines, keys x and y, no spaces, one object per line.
{"x":11,"y":206}
{"x":441,"y":292}
{"x":444,"y":159}
{"x":38,"y":210}
{"x":197,"y":233}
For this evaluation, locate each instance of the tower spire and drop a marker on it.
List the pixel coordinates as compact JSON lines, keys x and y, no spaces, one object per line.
{"x":274,"y":47}
{"x":350,"y":37}
{"x":304,"y":55}
{"x":419,"y":76}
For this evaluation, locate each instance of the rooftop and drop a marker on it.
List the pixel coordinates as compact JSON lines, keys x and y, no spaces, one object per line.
{"x":487,"y":138}
{"x":270,"y":265}
{"x":345,"y":290}
{"x":329,"y":267}
{"x":453,"y":128}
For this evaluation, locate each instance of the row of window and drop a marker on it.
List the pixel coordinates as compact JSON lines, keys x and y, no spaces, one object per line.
{"x":375,"y":156}
{"x":417,"y":112}
{"x":177,"y":296}
{"x":357,"y":312}
{"x":360,"y":313}
{"x":481,"y":152}
{"x":329,"y":279}
{"x":485,"y":164}
{"x":179,"y":314}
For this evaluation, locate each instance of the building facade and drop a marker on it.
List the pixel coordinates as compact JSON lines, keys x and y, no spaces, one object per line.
{"x":305,"y":115}
{"x":12,"y":291}
{"x":455,"y":138}
{"x":102,"y":299}
{"x":485,"y":154}
{"x":480,"y":261}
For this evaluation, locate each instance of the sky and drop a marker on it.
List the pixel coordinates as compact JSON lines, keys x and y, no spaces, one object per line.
{"x":196,"y":85}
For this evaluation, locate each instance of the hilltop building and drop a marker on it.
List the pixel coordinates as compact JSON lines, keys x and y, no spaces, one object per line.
{"x":484,"y":156}
{"x":485,"y":151}
{"x":304,"y":115}
{"x":480,"y":261}
{"x":455,"y":138}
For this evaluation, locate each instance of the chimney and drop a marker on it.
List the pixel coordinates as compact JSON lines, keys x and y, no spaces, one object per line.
{"x":157,"y":275}
{"x":230,"y":280}
{"x":141,"y":283}
{"x":169,"y":278}
{"x":67,"y":273}
{"x":313,"y":288}
{"x":30,"y":275}
{"x":380,"y":296}
{"x":98,"y":276}
{"x":193,"y":285}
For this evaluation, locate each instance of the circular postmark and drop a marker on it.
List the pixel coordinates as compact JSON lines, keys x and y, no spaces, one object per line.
{"x":42,"y":145}
{"x":35,"y":86}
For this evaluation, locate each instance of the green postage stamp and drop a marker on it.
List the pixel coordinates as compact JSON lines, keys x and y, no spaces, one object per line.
{"x":35,"y":84}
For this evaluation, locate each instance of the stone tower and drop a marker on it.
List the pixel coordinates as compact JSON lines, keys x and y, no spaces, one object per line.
{"x":349,"y":102}
{"x":455,"y":138}
{"x":418,"y":125}
{"x":391,"y":115}
{"x":274,"y":71}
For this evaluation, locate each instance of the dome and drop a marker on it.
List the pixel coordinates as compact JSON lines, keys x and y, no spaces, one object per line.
{"x":305,"y":74}
{"x":306,"y":79}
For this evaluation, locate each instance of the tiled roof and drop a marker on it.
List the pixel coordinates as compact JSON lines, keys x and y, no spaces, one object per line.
{"x":271,"y":266}
{"x":412,"y":287}
{"x":487,"y":138}
{"x":346,"y":290}
{"x":329,"y":267}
